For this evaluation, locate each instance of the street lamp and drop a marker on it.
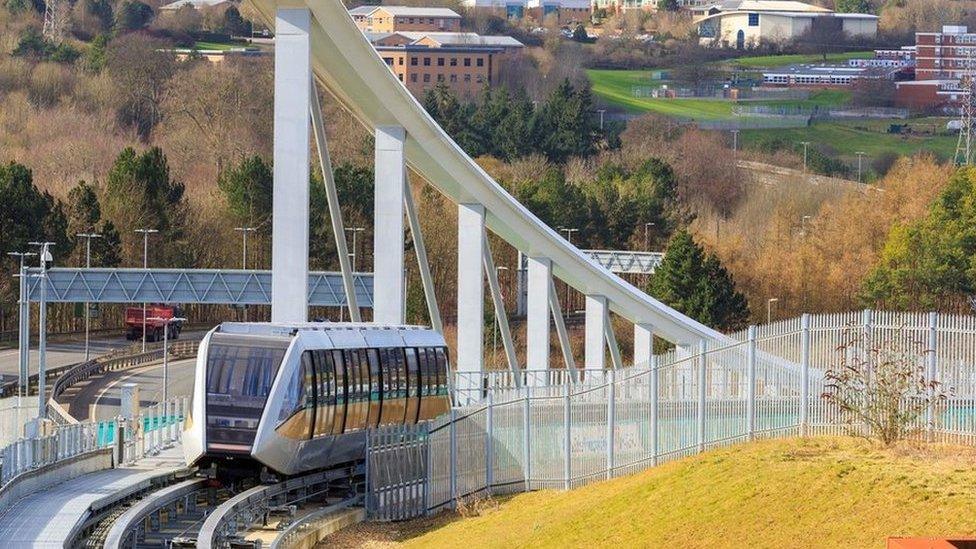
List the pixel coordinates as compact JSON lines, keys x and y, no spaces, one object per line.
{"x":805,"y":145}
{"x":23,"y":345}
{"x":569,"y":233}
{"x":244,"y":231}
{"x":494,"y":324}
{"x":88,"y":238}
{"x":145,"y":265}
{"x":860,"y":157}
{"x":769,"y":308}
{"x":601,"y":111}
{"x":647,"y":235}
{"x":166,"y":322}
{"x":735,"y":142}
{"x":45,"y":257}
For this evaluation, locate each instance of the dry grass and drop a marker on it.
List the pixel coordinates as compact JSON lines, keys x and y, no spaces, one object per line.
{"x":823,"y":492}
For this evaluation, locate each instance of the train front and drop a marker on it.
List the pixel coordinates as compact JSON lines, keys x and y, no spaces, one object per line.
{"x":235,"y":372}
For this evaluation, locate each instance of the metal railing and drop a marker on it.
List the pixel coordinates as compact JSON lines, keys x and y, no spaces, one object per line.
{"x":766,"y":382}
{"x":157,"y":428}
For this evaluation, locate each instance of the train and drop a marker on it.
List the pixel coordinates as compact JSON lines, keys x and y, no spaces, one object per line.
{"x":288,"y":398}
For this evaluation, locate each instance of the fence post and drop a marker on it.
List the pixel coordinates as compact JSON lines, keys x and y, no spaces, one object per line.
{"x":526,"y":443}
{"x":453,"y":442}
{"x":931,"y":367}
{"x":751,"y":387}
{"x":567,"y":437}
{"x":702,"y":349}
{"x":611,"y":421}
{"x":805,"y":373}
{"x":655,"y":450}
{"x":490,"y":445}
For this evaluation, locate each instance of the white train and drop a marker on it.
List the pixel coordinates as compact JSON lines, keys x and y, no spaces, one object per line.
{"x":300,"y":397}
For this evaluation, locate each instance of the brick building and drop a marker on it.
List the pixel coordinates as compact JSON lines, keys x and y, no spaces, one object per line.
{"x":405,"y":18}
{"x":942,"y":59}
{"x":464,"y":61}
{"x":561,"y":12}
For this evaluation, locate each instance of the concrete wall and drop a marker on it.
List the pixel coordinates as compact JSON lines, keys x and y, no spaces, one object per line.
{"x":56,"y":473}
{"x":13,"y":415}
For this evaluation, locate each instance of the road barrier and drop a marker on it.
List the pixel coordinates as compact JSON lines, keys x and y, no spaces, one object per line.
{"x":553,"y":432}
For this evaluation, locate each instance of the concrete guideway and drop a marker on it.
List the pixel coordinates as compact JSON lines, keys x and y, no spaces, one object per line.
{"x":48,"y":518}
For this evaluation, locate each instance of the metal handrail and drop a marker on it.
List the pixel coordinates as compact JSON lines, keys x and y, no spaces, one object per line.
{"x":130,"y":519}
{"x":285,"y":536}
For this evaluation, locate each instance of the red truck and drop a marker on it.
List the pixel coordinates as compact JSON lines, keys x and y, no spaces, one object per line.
{"x":154,"y":328}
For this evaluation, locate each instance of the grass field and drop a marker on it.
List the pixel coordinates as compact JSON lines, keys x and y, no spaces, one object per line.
{"x":771,"y":61}
{"x":217,"y":46}
{"x":868,"y":136}
{"x":793,"y":493}
{"x":616,"y":88}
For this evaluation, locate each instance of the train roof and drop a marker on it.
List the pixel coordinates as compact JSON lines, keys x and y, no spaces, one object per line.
{"x":343,"y":334}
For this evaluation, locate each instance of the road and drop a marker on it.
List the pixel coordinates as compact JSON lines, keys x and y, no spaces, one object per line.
{"x":60,"y":354}
{"x":99,"y":397}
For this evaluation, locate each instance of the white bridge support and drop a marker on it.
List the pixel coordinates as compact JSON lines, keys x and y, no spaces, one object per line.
{"x":595,"y":332}
{"x":537,"y":314}
{"x":643,"y":345}
{"x":388,"y":276}
{"x":471,"y":289}
{"x":293,"y":85}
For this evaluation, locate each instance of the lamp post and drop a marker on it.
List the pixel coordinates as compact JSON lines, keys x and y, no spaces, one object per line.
{"x":805,"y":145}
{"x":352,"y":259}
{"x":601,"y":111}
{"x":647,"y":235}
{"x":23,"y":344}
{"x":166,"y":322}
{"x":569,"y":238}
{"x":735,"y":142}
{"x":45,"y":257}
{"x":494,"y":323}
{"x":244,"y":231}
{"x":145,"y":265}
{"x":860,"y":157}
{"x":769,"y":308}
{"x":88,"y":238}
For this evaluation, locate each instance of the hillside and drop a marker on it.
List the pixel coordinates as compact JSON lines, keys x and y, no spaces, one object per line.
{"x":795,"y":493}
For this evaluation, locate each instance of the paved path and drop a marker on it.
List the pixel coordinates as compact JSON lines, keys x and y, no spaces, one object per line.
{"x":46,"y":518}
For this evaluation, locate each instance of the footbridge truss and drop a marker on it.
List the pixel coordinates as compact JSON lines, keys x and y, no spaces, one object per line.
{"x":317,"y":44}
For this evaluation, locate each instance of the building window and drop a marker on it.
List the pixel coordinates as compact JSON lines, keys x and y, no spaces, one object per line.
{"x":400,"y":61}
{"x":426,"y":78}
{"x":440,"y":61}
{"x":481,"y":62}
{"x":467,"y":61}
{"x":753,"y":19}
{"x":454,"y":61}
{"x":440,"y":77}
{"x":388,"y":61}
{"x":413,"y":77}
{"x":467,"y":77}
{"x":426,"y":61}
{"x":413,"y":61}
{"x":400,"y":76}
{"x":480,"y":79}
{"x":453,"y":78}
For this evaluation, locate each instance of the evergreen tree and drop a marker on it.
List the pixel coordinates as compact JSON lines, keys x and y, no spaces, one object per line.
{"x":133,"y":15}
{"x":854,"y":6}
{"x":513,"y":138}
{"x":696,"y":284}
{"x":27,"y":215}
{"x":248,"y":189}
{"x":668,"y":5}
{"x":84,"y":215}
{"x":565,"y":126}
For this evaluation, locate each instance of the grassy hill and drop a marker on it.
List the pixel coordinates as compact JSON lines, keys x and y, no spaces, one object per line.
{"x":794,"y":493}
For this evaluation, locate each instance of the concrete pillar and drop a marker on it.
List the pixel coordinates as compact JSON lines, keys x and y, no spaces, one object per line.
{"x":471,"y":290}
{"x":388,"y":280}
{"x":289,"y":248}
{"x":595,"y":330}
{"x":537,"y":314}
{"x":643,"y":345}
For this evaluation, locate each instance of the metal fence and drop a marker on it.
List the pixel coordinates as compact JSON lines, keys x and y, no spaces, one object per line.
{"x":156,"y":428}
{"x":560,"y":430}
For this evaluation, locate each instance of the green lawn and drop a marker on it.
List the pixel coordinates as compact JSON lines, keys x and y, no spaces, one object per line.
{"x":868,"y":136}
{"x":616,"y":88}
{"x":218,"y":46}
{"x":771,"y":61}
{"x":783,"y":493}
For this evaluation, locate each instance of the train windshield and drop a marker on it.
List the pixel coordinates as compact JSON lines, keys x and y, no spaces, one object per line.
{"x":240,"y":372}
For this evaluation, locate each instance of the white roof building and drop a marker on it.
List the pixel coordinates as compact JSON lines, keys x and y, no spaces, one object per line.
{"x":407,"y":11}
{"x":196,"y":4}
{"x":747,"y":23}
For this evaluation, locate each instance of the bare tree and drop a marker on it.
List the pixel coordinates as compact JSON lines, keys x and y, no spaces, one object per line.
{"x":881,"y":387}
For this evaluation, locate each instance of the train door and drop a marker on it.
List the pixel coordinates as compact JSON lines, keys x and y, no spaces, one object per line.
{"x":413,"y":386}
{"x":339,"y":423}
{"x":325,"y":396}
{"x":375,"y":387}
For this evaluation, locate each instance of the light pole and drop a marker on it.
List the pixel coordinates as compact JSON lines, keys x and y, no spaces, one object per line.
{"x":569,"y":238}
{"x":45,"y":257}
{"x":145,"y":265}
{"x":601,"y":111}
{"x":860,"y":157}
{"x":352,"y":259}
{"x":769,"y":308}
{"x":494,"y":324}
{"x":166,"y":322}
{"x":803,"y":224}
{"x":244,"y":231}
{"x":23,"y":345}
{"x":735,"y":142}
{"x":647,"y":235}
{"x":805,"y":145}
{"x":88,"y":238}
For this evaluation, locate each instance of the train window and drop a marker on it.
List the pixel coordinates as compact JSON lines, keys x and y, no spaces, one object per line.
{"x":413,"y":386}
{"x":425,"y":372}
{"x":356,"y":405}
{"x":340,"y":392}
{"x":375,"y":387}
{"x":297,"y":414}
{"x":325,"y":395}
{"x":442,"y":372}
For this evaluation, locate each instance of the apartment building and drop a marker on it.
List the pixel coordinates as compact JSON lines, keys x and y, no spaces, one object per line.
{"x":562,"y":12}
{"x":466,"y":62}
{"x":405,"y":18}
{"x":942,"y":59}
{"x":510,"y":9}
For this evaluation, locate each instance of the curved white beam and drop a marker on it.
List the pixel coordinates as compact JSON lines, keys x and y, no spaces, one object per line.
{"x":352,"y":71}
